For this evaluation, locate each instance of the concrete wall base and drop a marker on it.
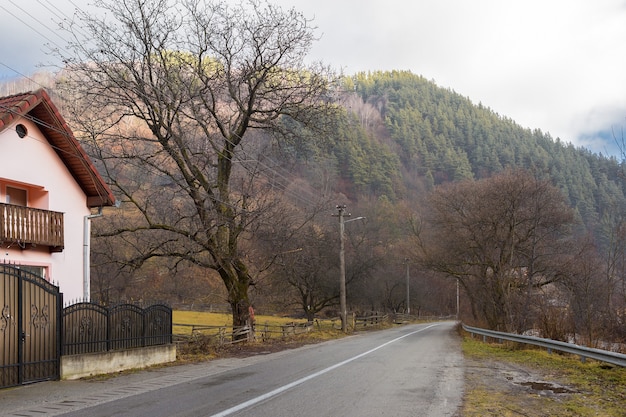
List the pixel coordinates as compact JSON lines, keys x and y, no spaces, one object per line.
{"x":90,"y":364}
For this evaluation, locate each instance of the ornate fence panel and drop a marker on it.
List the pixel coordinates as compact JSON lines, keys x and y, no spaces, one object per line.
{"x":85,"y":329}
{"x":158,"y":325}
{"x":30,"y":312}
{"x":126,"y":327}
{"x":90,"y":328}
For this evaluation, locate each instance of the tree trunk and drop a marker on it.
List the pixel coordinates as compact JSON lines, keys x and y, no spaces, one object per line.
{"x":237,"y":280}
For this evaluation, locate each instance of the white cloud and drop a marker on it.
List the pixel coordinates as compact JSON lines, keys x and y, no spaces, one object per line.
{"x":555,"y":65}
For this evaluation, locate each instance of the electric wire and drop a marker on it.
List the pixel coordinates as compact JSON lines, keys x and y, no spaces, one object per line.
{"x":36,"y":20}
{"x":26,"y":23}
{"x":279,"y":185}
{"x":40,"y":122}
{"x":308,"y":201}
{"x":22,"y":75}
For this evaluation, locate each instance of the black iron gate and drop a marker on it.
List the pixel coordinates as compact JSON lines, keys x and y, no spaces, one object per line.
{"x":30,"y":327}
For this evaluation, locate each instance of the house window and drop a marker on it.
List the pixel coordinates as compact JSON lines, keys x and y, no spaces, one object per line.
{"x":16,"y":196}
{"x":37,"y":270}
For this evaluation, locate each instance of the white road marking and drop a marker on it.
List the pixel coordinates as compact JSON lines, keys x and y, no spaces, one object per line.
{"x":286,"y":387}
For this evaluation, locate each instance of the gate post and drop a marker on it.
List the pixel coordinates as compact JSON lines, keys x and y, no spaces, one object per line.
{"x":60,"y":329}
{"x":20,"y":328}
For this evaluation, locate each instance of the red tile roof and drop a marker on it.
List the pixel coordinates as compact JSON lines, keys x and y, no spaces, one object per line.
{"x":38,"y":107}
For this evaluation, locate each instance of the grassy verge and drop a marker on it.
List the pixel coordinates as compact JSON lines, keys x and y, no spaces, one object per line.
{"x":588,"y":389}
{"x":203,"y":348}
{"x":224,"y":319}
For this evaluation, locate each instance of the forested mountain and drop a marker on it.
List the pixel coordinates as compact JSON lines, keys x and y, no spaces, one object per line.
{"x":399,"y":135}
{"x":403,"y":134}
{"x":439,"y":136}
{"x":229,"y":154}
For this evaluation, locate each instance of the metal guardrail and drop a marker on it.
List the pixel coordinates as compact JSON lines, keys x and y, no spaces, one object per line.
{"x":582,"y":351}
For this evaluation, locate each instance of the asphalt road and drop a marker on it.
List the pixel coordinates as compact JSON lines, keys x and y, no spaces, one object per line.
{"x":414,"y":370}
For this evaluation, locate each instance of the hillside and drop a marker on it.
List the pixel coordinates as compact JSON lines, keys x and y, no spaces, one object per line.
{"x":403,"y":134}
{"x":437,"y":135}
{"x":400,"y":136}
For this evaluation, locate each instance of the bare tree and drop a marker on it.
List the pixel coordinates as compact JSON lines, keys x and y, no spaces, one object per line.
{"x":308,"y":273}
{"x":502,"y":238}
{"x":587,"y":297}
{"x":174,"y":91}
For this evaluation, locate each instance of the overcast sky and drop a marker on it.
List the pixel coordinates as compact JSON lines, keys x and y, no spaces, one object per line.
{"x":555,"y":65}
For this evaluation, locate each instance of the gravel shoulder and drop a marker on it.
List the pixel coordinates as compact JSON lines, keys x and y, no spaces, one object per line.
{"x":496,"y":388}
{"x":509,"y":382}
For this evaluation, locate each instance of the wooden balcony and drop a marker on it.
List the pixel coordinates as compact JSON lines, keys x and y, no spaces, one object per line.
{"x":29,"y":227}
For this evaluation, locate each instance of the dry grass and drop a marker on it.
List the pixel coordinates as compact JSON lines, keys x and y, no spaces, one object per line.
{"x":202,"y":345}
{"x":202,"y":318}
{"x":500,"y":377}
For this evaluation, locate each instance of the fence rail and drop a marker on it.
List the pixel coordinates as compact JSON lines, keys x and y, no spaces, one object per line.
{"x":373,"y":319}
{"x":90,"y":328}
{"x":224,"y":335}
{"x":582,"y":351}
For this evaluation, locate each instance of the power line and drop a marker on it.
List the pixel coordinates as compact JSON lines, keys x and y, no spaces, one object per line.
{"x":36,"y":20}
{"x":22,"y":75}
{"x":277,"y":184}
{"x":25,"y":22}
{"x":56,"y":148}
{"x":277,"y":180}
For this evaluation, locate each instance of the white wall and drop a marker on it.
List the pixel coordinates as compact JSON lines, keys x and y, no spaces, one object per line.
{"x":32,"y":160}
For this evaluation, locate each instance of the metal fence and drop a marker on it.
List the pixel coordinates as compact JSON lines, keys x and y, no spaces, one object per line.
{"x":30,"y":311}
{"x":91,"y":328}
{"x":582,"y":351}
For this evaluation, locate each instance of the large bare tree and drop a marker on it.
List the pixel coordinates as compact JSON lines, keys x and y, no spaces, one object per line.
{"x":168,"y":95}
{"x":502,"y":238}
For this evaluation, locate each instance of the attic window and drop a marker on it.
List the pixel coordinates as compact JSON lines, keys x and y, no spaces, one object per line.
{"x":21,"y":130}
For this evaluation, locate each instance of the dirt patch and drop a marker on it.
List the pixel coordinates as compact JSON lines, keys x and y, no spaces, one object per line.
{"x":496,"y":388}
{"x":547,"y":387}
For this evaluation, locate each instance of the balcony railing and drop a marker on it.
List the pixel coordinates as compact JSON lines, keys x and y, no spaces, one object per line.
{"x":28,"y":227}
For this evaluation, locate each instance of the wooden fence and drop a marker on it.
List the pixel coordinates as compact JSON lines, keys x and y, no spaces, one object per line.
{"x":371,"y":319}
{"x":226,"y":335}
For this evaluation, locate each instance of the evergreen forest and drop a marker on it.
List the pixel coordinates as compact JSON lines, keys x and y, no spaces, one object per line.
{"x":433,"y":135}
{"x":397,"y":139}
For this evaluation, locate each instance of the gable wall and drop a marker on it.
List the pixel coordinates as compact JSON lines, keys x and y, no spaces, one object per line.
{"x":32,"y":161}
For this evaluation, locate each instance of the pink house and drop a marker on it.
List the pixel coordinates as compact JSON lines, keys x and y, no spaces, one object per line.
{"x":49,"y":189}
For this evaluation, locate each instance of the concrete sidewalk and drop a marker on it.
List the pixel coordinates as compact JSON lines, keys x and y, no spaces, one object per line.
{"x":54,"y":398}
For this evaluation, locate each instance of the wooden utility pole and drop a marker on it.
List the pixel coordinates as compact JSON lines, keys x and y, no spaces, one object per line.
{"x":342,"y":269}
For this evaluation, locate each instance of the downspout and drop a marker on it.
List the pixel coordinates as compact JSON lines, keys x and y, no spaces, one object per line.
{"x":86,"y":254}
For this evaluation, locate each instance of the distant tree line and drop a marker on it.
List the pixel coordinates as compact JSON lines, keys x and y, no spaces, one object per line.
{"x":229,"y":174}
